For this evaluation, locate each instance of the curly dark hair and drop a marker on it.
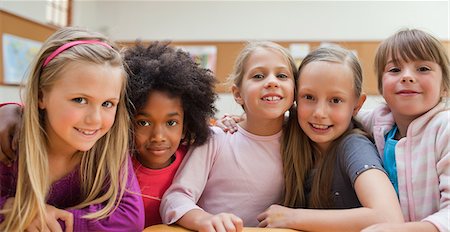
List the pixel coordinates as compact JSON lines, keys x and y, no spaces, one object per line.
{"x":163,"y":68}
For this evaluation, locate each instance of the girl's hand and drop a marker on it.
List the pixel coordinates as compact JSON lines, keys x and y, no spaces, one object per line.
{"x":228,"y":123}
{"x":222,"y":222}
{"x":51,"y":221}
{"x":275,"y":216}
{"x":10,"y":116}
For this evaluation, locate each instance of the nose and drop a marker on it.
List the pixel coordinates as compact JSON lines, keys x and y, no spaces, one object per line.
{"x":158,"y":134}
{"x":408,"y":77}
{"x":94,"y":116}
{"x":320,"y":110}
{"x":272,"y":82}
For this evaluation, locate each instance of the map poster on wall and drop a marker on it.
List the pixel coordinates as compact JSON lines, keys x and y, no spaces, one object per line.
{"x":205,"y":56}
{"x":18,"y":53}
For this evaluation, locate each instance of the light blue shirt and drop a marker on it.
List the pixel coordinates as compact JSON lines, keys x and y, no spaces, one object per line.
{"x":389,"y":157}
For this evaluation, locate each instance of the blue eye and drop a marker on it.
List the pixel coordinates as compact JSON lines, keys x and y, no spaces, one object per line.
{"x":80,"y":100}
{"x":143,"y":123}
{"x":107,"y":104}
{"x":258,"y":76}
{"x":282,"y":76}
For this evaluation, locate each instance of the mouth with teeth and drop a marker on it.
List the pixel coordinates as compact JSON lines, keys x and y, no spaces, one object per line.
{"x":86,"y":132}
{"x":271,"y":98}
{"x":319,"y":127}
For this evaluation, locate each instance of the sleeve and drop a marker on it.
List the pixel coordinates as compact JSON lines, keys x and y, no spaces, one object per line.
{"x":128,"y":216}
{"x":441,"y":218}
{"x":189,"y":182}
{"x":366,"y":118}
{"x":358,"y":154}
{"x":8,"y":175}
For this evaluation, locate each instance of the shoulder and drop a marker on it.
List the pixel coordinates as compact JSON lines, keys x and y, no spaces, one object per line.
{"x":357,"y":148}
{"x":355,"y":142}
{"x":357,"y":155}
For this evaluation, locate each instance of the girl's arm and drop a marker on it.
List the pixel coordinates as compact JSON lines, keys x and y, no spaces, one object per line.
{"x":357,"y":158}
{"x":10,"y":116}
{"x":179,"y":203}
{"x":128,"y":216}
{"x":8,"y":176}
{"x":375,"y":193}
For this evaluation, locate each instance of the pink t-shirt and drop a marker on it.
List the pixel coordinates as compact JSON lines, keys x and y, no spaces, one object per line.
{"x":238,"y":173}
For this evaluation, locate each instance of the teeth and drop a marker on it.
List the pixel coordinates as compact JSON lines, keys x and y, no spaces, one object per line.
{"x":86,"y":132}
{"x":271,"y":98}
{"x":318,"y":126}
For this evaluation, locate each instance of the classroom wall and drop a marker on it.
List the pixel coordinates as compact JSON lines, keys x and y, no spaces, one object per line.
{"x":287,"y":20}
{"x":31,"y":9}
{"x":326,"y":21}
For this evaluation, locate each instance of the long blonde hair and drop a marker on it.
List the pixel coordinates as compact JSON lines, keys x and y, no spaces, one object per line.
{"x":299,"y":153}
{"x":103,"y":168}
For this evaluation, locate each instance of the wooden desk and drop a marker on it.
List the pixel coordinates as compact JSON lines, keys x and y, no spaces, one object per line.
{"x":166,"y":228}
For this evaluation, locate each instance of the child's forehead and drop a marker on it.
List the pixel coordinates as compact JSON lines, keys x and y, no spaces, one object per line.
{"x":157,"y":96}
{"x":263,"y":55}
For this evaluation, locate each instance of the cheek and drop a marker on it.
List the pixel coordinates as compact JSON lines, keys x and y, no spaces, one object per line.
{"x":108,"y":119}
{"x":388,"y":85}
{"x":139,"y":143}
{"x":302,"y":113}
{"x":344,"y":115}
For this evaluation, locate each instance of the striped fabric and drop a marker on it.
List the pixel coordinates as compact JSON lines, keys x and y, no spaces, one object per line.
{"x":423,"y":162}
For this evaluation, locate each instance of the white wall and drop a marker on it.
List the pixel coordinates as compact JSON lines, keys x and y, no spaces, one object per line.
{"x":244,"y":20}
{"x":231,"y":21}
{"x":31,"y":9}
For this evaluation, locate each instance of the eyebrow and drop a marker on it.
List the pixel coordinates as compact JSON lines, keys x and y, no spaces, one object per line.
{"x":169,"y":114}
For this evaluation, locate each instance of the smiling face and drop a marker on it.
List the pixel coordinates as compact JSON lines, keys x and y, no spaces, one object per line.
{"x":158,"y":129}
{"x":80,"y":107}
{"x":267,"y":87}
{"x":411,"y":88}
{"x":326,"y":101}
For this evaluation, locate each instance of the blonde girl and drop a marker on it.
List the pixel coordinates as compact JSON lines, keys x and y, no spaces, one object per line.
{"x":73,"y":171}
{"x":412,"y":131}
{"x":224,"y":184}
{"x":334,"y":180}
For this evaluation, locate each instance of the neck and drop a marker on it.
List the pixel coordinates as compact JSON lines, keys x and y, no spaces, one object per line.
{"x":402,"y":123}
{"x":62,"y":162}
{"x":262,"y":127}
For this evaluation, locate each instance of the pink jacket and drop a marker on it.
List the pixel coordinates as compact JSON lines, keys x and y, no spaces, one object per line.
{"x":423,"y":162}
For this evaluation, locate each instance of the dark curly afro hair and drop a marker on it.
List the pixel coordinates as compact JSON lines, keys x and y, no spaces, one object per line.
{"x":163,"y":68}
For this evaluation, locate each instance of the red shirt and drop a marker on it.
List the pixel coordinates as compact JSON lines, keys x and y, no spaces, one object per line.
{"x":154,"y":183}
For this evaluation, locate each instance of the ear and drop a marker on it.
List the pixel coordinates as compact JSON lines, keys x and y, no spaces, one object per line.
{"x":41,"y":102}
{"x":237,"y":95}
{"x":359,"y":104}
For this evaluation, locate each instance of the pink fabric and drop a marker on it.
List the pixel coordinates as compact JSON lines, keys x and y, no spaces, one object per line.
{"x":240,"y":174}
{"x":423,"y":162}
{"x":71,"y":44}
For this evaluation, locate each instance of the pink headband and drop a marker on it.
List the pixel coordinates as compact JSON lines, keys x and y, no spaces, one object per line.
{"x":71,"y":44}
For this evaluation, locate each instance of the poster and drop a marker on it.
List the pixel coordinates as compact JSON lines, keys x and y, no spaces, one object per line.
{"x":205,"y":56}
{"x":18,"y":53}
